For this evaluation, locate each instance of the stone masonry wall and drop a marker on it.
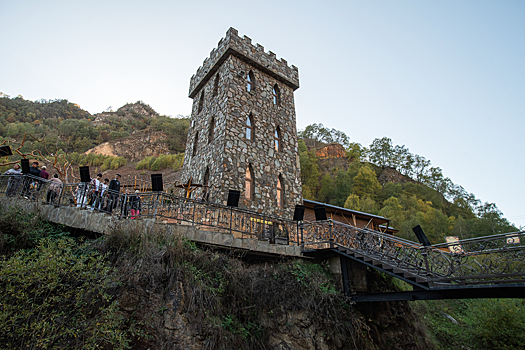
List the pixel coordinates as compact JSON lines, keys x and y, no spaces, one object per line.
{"x":229,"y":154}
{"x":233,"y":44}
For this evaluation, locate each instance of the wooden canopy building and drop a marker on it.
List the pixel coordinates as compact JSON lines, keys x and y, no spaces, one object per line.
{"x":349,"y":217}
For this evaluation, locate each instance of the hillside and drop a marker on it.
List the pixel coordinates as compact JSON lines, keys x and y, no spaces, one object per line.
{"x":381,"y":179}
{"x":132,"y":289}
{"x":139,"y":145}
{"x":64,"y":127}
{"x":388,"y":180}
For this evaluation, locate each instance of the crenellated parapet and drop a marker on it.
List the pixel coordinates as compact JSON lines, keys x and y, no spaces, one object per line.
{"x":254,"y":55}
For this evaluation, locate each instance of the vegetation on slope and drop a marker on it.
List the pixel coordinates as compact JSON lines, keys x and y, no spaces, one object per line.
{"x":65,"y":127}
{"x":424,"y":196}
{"x":127,"y":289}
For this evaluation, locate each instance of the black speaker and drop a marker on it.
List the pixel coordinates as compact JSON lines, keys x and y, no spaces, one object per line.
{"x":298,"y":213}
{"x":422,"y":238}
{"x":84,"y":174}
{"x":233,"y":198}
{"x":25,"y":166}
{"x":320,"y":212}
{"x":5,"y":151}
{"x":156,"y":183}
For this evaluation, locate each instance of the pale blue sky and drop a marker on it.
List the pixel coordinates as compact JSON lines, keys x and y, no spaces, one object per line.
{"x":446,"y":79}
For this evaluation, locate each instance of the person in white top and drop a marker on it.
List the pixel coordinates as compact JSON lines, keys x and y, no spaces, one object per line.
{"x":101,"y":198}
{"x":95,"y":185}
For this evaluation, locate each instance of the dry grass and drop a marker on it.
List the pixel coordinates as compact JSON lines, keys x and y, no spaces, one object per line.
{"x":228,"y":303}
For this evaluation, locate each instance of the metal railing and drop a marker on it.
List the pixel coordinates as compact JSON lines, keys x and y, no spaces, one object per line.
{"x":484,"y":260}
{"x":159,"y":205}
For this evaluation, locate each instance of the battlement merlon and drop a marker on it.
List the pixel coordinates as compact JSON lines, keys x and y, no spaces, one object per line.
{"x":242,"y":48}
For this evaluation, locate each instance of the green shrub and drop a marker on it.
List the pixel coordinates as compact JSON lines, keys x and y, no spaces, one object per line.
{"x":21,"y":230}
{"x":164,"y":161}
{"x":55,"y":296}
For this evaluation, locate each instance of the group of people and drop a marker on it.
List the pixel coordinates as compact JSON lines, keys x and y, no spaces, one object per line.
{"x":102,"y":195}
{"x":32,"y":185}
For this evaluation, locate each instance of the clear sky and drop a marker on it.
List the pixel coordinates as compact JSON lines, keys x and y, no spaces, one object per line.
{"x":444,"y":78}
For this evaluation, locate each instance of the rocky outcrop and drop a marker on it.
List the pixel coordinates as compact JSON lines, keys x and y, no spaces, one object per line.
{"x":141,"y":144}
{"x":333,"y":150}
{"x":392,"y":175}
{"x":138,"y":110}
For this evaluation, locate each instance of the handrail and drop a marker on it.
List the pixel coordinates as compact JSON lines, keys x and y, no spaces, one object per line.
{"x":499,"y":258}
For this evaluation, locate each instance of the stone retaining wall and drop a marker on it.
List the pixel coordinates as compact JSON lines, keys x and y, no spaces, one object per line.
{"x":101,"y":223}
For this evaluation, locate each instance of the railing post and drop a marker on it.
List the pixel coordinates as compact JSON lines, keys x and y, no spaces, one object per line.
{"x":427,"y":267}
{"x":331,"y":229}
{"x":231,"y":219}
{"x":193,"y":216}
{"x":60,"y":196}
{"x":123,"y":205}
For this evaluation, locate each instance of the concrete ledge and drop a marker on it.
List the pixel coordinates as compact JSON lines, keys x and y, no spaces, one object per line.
{"x":101,"y":223}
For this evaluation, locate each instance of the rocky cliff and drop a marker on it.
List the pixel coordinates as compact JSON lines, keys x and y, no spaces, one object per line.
{"x":333,"y":150}
{"x":137,"y":146}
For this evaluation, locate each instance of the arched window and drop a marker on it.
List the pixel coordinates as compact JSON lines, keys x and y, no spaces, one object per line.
{"x":249,"y":183}
{"x":280,"y":192}
{"x":250,"y":82}
{"x":216,"y":85}
{"x":201,"y":102}
{"x":250,"y":134}
{"x":195,"y":143}
{"x":276,"y":95}
{"x":277,"y":138}
{"x":212,"y":130}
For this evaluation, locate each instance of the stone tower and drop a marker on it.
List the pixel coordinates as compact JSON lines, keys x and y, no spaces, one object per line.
{"x":243,"y":132}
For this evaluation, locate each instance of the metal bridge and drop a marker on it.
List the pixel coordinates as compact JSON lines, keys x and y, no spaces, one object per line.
{"x":484,"y":267}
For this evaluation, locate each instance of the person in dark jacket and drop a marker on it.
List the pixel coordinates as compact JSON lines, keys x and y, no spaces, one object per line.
{"x":113,"y":191}
{"x":31,"y":183}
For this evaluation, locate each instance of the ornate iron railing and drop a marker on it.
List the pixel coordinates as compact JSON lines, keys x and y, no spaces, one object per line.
{"x":484,"y":260}
{"x":159,"y":205}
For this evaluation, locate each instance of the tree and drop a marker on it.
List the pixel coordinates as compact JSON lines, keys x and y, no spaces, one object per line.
{"x":309,"y":171}
{"x":420,"y":166}
{"x":368,"y":205}
{"x":355,"y":152}
{"x":365,"y":183}
{"x":491,"y":221}
{"x":381,"y":152}
{"x":343,"y":187}
{"x":352,"y":202}
{"x":327,"y":190}
{"x":393,"y":210}
{"x":318,"y":133}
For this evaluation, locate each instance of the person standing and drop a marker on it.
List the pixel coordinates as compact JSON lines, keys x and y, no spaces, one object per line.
{"x":114,"y":190}
{"x":135,"y":205}
{"x":34,"y":169}
{"x":95,"y":191}
{"x":54,"y":189}
{"x":43,"y":173}
{"x":32,"y":182}
{"x":102,"y":205}
{"x":14,"y":180}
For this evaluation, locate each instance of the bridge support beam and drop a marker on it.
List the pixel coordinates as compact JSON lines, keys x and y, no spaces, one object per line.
{"x":352,"y":273}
